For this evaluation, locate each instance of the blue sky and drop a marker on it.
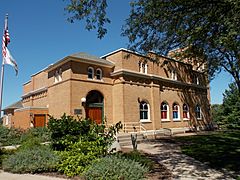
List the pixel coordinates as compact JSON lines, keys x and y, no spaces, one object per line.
{"x":40,"y":35}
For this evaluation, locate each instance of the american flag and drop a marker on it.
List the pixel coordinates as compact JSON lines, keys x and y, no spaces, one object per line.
{"x":6,"y":38}
{"x":7,"y":57}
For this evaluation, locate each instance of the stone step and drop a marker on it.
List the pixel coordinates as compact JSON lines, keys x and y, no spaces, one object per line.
{"x":125,"y":139}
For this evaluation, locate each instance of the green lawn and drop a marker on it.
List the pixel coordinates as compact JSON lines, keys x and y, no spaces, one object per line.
{"x":219,"y":149}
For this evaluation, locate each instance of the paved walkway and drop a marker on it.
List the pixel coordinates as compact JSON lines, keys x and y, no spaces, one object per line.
{"x":10,"y":176}
{"x":182,"y":166}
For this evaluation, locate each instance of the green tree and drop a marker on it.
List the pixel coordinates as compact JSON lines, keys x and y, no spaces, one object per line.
{"x":231,"y":107}
{"x":209,"y":28}
{"x":227,"y":115}
{"x":217,"y":114}
{"x":93,"y":11}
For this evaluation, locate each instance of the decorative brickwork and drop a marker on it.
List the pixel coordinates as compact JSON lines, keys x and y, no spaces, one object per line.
{"x":125,"y":80}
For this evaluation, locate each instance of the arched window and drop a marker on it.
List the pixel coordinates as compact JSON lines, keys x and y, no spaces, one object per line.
{"x":174,"y":74}
{"x":176,"y":112}
{"x":185,"y":111}
{"x":99,"y":74}
{"x":164,"y":111}
{"x":90,"y":73}
{"x":143,"y":67}
{"x":197,"y":80}
{"x":198,"y":112}
{"x":144,"y":111}
{"x":58,"y":75}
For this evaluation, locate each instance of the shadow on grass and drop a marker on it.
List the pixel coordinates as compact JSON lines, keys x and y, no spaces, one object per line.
{"x":219,"y":150}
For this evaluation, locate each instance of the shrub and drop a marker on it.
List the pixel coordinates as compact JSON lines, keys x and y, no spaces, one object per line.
{"x":4,"y":153}
{"x":79,"y":156}
{"x":138,"y":157}
{"x":14,"y":136}
{"x":82,"y":141}
{"x":9,"y":136}
{"x":3,"y":134}
{"x":66,"y":131}
{"x":31,"y":160}
{"x":113,"y":168}
{"x":42,"y":133}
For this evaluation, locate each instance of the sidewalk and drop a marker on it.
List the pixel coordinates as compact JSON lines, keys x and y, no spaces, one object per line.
{"x":182,"y":166}
{"x":10,"y":176}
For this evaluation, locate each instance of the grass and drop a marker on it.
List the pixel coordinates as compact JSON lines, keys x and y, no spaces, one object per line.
{"x":219,"y":150}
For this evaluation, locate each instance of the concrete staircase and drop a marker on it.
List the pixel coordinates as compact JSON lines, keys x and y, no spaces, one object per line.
{"x":124,"y":139}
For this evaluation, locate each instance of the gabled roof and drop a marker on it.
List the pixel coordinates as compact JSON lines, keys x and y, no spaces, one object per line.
{"x":86,"y":56}
{"x":82,"y":57}
{"x":142,"y":55}
{"x":15,"y":105}
{"x":121,"y":49}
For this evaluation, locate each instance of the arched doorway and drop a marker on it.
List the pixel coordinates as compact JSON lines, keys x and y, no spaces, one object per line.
{"x":94,"y":106}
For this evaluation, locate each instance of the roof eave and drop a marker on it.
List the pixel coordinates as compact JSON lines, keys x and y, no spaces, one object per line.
{"x":92,"y":62}
{"x":75,"y":59}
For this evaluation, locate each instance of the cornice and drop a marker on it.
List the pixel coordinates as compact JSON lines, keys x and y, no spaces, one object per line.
{"x":40,"y":90}
{"x":154,"y":77}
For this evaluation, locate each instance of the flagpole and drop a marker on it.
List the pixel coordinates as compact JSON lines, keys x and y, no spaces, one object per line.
{"x":2,"y":69}
{"x":1,"y":87}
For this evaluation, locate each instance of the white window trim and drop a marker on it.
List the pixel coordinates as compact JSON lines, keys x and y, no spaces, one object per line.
{"x":168,"y":118}
{"x":58,"y":76}
{"x":173,"y":75}
{"x":145,"y":120}
{"x":140,"y":67}
{"x":197,"y":80}
{"x":177,"y":119}
{"x":101,"y":74}
{"x":165,"y":120}
{"x":188,"y":115}
{"x":199,"y":118}
{"x":143,"y":67}
{"x":149,"y":119}
{"x":92,"y":73}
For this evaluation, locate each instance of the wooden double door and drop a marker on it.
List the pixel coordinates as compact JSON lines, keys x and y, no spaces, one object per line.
{"x":94,"y":113}
{"x":94,"y":106}
{"x":39,"y":120}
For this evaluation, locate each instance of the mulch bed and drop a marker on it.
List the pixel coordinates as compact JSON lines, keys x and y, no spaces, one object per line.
{"x":159,"y":171}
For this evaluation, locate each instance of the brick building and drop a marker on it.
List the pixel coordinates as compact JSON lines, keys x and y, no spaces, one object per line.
{"x":148,"y":92}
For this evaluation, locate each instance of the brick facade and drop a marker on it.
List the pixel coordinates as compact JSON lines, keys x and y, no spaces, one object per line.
{"x":132,"y":86}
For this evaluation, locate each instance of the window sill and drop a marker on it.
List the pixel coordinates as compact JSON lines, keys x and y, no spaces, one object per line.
{"x":176,"y":119}
{"x":145,"y":121}
{"x":97,"y":80}
{"x":186,"y":119}
{"x":57,"y":82}
{"x":165,"y":120}
{"x":199,"y":119}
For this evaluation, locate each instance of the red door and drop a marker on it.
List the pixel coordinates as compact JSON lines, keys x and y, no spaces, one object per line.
{"x":39,"y":120}
{"x":94,"y":113}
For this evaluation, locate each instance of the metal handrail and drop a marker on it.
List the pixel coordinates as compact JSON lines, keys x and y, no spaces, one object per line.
{"x":135,"y":126}
{"x":142,"y":127}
